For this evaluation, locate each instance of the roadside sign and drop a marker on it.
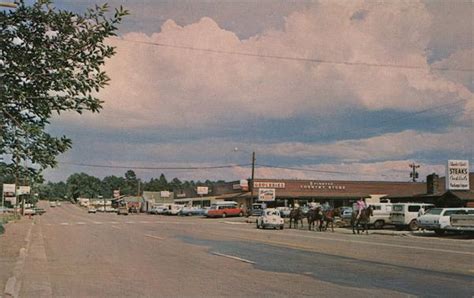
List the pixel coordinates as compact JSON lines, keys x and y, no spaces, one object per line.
{"x":457,"y":175}
{"x":165,"y":194}
{"x":116,"y":193}
{"x":266,"y":194}
{"x":8,"y":188}
{"x":12,"y":200}
{"x":23,"y":190}
{"x":202,"y":190}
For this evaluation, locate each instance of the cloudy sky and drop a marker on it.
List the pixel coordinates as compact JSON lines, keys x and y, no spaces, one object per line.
{"x":330,"y":89}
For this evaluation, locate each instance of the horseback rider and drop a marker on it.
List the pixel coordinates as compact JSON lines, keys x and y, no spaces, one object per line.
{"x":360,"y":205}
{"x":325,"y":207}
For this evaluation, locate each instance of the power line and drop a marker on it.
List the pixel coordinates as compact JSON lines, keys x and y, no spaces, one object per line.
{"x":299,"y":59}
{"x":409,"y":115}
{"x":314,"y":170}
{"x":152,"y":168}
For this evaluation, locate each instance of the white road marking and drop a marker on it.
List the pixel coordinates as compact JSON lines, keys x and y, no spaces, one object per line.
{"x":234,"y":223}
{"x":155,"y":237}
{"x":232,"y":257}
{"x":144,"y":222}
{"x":130,"y":222}
{"x":64,"y":223}
{"x":113,"y":222}
{"x":80,"y":223}
{"x":370,"y":243}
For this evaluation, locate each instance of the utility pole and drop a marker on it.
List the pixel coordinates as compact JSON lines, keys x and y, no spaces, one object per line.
{"x":414,"y":173}
{"x":253,"y":176}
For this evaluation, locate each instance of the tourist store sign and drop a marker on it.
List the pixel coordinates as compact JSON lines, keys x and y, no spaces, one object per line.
{"x":457,"y":175}
{"x":316,"y":185}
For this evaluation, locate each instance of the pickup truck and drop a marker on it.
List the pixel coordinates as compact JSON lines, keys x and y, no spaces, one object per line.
{"x":462,"y":223}
{"x":440,"y":219}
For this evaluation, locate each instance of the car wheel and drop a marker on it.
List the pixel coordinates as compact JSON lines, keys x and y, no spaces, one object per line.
{"x":378,"y":224}
{"x":439,"y":232}
{"x":282,"y":227}
{"x":413,"y":225}
{"x":224,"y":215}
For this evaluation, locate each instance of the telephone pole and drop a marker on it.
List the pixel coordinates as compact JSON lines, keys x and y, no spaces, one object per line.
{"x":414,"y":173}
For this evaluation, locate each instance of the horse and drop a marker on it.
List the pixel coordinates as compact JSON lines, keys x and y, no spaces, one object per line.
{"x":315,"y":216}
{"x":296,"y":215}
{"x":328,"y":218}
{"x":363,"y":219}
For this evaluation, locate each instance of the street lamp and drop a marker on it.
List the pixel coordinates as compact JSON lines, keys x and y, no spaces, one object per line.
{"x":236,"y":149}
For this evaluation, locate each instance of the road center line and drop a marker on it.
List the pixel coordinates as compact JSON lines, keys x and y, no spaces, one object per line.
{"x":155,"y":237}
{"x":232,"y":257}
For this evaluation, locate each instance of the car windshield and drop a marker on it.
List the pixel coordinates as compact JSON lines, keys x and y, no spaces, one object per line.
{"x":273,"y":212}
{"x":435,"y":211}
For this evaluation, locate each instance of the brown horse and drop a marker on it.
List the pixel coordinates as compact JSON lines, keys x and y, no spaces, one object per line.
{"x":315,"y":217}
{"x":363,"y":220}
{"x":328,"y":218}
{"x":296,"y":214}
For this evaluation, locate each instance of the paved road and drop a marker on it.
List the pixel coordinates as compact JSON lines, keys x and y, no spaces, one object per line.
{"x":72,"y":253}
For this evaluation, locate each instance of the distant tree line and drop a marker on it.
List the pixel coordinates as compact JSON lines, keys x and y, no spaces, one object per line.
{"x":83,"y":185}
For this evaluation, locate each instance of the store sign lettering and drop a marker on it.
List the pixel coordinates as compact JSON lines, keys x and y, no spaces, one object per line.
{"x":313,"y":185}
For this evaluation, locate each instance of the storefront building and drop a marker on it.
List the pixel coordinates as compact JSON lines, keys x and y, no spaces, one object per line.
{"x":336,"y":193}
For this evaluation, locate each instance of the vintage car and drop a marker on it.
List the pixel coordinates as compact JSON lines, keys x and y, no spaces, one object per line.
{"x":191,"y":210}
{"x":224,"y":209}
{"x":439,"y":219}
{"x":270,"y":218}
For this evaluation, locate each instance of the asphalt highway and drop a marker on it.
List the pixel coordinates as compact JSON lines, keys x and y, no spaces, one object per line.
{"x":73,"y":253}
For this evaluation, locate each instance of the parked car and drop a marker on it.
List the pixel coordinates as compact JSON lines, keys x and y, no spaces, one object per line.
{"x":191,"y":210}
{"x":381,"y":214}
{"x":404,"y":215}
{"x":284,"y":211}
{"x":91,"y":209}
{"x":173,"y":209}
{"x":224,"y":209}
{"x":122,"y":210}
{"x":270,"y":218}
{"x":39,"y":211}
{"x":257,"y":209}
{"x":438,"y":219}
{"x":29,"y":211}
{"x":52,"y":204}
{"x":162,"y":210}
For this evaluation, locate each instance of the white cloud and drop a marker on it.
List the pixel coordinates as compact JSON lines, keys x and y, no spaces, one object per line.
{"x":387,"y":146}
{"x":168,"y":87}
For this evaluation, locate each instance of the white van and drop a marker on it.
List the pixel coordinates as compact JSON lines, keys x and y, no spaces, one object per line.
{"x":404,"y":214}
{"x":381,"y":214}
{"x":173,"y":209}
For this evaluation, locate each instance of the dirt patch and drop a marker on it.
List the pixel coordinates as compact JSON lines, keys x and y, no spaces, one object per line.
{"x":10,"y":243}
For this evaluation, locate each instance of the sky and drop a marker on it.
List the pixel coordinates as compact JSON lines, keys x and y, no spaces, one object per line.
{"x":341,"y":90}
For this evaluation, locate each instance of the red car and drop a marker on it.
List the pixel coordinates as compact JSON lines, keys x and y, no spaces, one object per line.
{"x":224,"y":209}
